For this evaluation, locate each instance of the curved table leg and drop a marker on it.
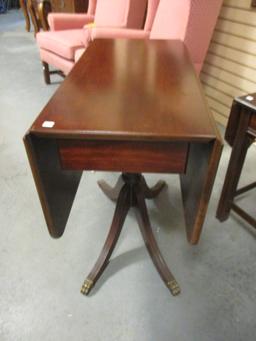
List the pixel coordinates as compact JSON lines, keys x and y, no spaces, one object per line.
{"x":151,"y":244}
{"x":111,"y":192}
{"x":133,"y":193}
{"x":32,"y":13}
{"x":23,"y":6}
{"x":152,"y":192}
{"x":122,"y":208}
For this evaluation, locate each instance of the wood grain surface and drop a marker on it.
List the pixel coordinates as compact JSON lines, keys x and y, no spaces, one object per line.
{"x":129,"y":89}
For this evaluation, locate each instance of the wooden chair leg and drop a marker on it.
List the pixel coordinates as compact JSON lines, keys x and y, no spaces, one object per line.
{"x":46,"y":73}
{"x":122,"y":208}
{"x":111,"y":192}
{"x":43,"y":9}
{"x":23,"y":6}
{"x":152,"y":192}
{"x":151,"y":244}
{"x":34,"y":19}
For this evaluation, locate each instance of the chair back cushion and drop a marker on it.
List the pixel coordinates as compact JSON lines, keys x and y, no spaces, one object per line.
{"x":200,"y":27}
{"x":191,"y":21}
{"x":171,"y":19}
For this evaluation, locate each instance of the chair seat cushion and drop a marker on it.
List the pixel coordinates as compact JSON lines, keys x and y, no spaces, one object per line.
{"x":63,"y":43}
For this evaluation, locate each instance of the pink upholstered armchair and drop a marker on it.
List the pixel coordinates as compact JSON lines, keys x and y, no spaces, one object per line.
{"x":191,"y":21}
{"x":117,"y":32}
{"x":58,"y":48}
{"x":114,"y":33}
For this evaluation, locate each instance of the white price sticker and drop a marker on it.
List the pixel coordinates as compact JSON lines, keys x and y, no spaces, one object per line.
{"x":249,"y":98}
{"x":48,"y":124}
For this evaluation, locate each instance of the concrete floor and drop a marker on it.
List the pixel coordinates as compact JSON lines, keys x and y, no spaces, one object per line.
{"x":41,"y":277}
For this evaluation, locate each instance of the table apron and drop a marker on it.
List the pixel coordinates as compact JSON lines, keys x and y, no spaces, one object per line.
{"x":123,"y":156}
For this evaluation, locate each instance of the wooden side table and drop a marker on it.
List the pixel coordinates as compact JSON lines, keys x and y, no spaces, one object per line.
{"x":37,"y":10}
{"x":240,"y":134}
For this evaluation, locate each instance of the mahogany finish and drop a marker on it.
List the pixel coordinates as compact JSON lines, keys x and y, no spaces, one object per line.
{"x":70,"y":6}
{"x":155,"y":96}
{"x":111,"y":192}
{"x":56,"y":187}
{"x":133,"y":157}
{"x":116,"y":112}
{"x":240,"y":134}
{"x":132,"y":194}
{"x":23,"y":6}
{"x":38,"y":10}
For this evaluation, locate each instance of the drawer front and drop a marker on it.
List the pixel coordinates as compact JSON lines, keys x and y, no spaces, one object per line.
{"x":122,"y":156}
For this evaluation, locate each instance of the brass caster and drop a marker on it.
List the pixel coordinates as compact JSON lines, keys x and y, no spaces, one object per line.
{"x":87,"y":286}
{"x":174,"y":287}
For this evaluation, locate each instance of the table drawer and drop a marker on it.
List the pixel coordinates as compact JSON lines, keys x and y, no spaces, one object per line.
{"x":122,"y":156}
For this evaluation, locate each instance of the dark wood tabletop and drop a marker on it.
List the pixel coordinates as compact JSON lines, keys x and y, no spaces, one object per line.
{"x":128,"y":106}
{"x":130,"y":89}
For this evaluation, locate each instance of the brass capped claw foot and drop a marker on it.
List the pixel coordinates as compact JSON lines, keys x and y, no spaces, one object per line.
{"x":87,"y":286}
{"x":174,"y":287}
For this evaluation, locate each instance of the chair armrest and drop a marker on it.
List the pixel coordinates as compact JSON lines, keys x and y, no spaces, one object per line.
{"x":108,"y":32}
{"x":68,"y":21}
